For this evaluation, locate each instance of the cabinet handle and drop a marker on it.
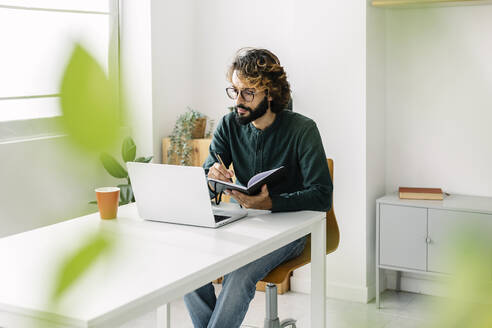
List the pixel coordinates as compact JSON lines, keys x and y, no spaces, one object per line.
{"x":428,"y":240}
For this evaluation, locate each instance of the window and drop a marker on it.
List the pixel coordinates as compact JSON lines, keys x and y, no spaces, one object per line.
{"x":37,"y":37}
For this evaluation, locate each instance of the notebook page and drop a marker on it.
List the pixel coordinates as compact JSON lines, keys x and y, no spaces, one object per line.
{"x":260,"y":176}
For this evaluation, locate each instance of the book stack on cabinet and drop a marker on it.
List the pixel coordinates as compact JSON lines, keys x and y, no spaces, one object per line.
{"x":421,"y":193}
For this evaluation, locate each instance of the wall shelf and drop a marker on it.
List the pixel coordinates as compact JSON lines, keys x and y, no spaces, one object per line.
{"x":427,"y":3}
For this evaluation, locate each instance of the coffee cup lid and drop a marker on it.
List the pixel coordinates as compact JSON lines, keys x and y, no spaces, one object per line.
{"x":107,"y":189}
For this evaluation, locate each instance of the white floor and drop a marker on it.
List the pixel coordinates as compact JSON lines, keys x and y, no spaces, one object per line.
{"x":399,"y":310}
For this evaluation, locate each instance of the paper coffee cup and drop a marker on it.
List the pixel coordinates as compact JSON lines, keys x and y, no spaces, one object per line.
{"x":107,"y":201}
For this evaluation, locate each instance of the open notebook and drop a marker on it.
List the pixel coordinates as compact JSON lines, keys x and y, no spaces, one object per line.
{"x":254,"y":184}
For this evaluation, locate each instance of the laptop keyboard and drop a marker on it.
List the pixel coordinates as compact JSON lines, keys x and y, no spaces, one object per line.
{"x":219,"y":218}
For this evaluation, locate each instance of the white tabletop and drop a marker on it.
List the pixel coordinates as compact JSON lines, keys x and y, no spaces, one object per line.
{"x":454,"y":202}
{"x":150,"y":263}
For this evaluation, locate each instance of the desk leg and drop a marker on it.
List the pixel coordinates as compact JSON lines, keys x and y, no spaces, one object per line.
{"x":318,"y":275}
{"x":378,"y":302}
{"x":164,"y":316}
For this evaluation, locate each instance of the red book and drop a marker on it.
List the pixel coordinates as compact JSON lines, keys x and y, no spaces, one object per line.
{"x":420,"y":193}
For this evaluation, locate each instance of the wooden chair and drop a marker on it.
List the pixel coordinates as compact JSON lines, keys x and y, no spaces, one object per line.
{"x":284,"y":271}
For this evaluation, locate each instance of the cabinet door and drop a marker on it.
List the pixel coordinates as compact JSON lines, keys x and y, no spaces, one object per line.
{"x":403,"y":232}
{"x":446,"y":229}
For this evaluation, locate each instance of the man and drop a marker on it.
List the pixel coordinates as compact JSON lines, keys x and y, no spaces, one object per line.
{"x":260,"y":135}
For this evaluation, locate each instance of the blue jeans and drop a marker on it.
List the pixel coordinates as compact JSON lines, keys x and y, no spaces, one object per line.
{"x":238,"y":289}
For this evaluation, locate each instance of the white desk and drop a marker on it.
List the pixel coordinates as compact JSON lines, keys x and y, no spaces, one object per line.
{"x":151,"y":264}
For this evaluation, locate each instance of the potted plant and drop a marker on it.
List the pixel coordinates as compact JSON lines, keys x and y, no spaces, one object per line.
{"x":190,"y":125}
{"x":115,"y":169}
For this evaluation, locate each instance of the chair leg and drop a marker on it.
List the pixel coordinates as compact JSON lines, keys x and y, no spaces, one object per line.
{"x":288,"y":323}
{"x":271,"y":318}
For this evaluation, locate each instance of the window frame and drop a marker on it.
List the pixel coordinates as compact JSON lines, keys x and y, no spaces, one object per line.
{"x":46,"y":127}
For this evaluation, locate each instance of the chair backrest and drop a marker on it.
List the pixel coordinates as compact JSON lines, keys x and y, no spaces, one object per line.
{"x":332,"y":231}
{"x":282,"y":272}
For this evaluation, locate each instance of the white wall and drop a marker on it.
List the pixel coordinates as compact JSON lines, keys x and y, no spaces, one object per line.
{"x":328,"y":77}
{"x":136,"y":73}
{"x":172,"y":65}
{"x":220,"y":28}
{"x":438,"y":104}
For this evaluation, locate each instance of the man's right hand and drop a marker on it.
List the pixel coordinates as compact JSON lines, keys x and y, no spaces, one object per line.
{"x":219,"y":172}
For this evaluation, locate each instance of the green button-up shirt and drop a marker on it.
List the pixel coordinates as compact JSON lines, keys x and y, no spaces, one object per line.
{"x":293,"y":141}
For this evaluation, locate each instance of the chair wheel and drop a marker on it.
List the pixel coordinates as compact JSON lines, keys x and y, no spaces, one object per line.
{"x":288,"y":323}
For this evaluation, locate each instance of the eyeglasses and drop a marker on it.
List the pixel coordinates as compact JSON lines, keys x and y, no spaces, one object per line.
{"x":247,"y":94}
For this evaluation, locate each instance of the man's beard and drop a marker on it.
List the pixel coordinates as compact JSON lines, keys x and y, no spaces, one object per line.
{"x":260,"y":110}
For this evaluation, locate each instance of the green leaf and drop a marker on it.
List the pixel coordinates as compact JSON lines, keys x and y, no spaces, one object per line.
{"x":89,"y":103}
{"x":76,"y":264}
{"x":93,"y":202}
{"x":112,"y":166}
{"x":129,"y":150}
{"x":126,"y":193}
{"x":144,"y":159}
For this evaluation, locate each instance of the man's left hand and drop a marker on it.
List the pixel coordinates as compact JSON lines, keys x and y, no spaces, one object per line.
{"x":262,"y":201}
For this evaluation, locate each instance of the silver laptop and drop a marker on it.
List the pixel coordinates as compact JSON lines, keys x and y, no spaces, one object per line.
{"x":178,"y":194}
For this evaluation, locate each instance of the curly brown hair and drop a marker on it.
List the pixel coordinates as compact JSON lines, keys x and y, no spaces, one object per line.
{"x":262,"y":70}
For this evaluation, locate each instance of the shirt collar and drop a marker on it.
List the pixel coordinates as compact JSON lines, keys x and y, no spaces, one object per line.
{"x":272,"y":127}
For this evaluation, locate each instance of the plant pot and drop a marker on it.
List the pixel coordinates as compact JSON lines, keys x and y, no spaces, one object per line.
{"x":199,"y":128}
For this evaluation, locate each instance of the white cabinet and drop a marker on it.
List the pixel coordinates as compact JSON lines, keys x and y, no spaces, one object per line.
{"x":403,"y":230}
{"x":445,"y":229}
{"x":421,"y":236}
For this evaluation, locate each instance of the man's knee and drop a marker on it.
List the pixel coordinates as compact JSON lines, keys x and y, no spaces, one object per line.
{"x":244,"y":279}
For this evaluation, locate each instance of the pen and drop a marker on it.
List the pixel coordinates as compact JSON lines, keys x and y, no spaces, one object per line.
{"x":221,"y":162}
